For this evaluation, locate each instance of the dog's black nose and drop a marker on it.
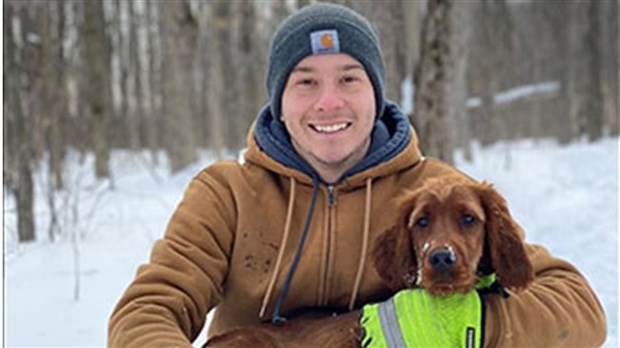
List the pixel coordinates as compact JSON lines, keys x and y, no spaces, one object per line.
{"x":442,"y":259}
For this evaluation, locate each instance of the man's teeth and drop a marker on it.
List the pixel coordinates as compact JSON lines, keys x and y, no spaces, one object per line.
{"x":330,"y":128}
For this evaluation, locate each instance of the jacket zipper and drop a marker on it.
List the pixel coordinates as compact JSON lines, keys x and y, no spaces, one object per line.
{"x":331,"y":196}
{"x":331,"y":202}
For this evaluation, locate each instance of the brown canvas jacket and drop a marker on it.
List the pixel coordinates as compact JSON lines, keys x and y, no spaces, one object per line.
{"x":222,"y":244}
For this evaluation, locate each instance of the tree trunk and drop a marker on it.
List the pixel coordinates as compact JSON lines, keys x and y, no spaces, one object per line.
{"x":412,"y":29}
{"x":440,"y":81}
{"x":609,"y":43}
{"x":251,"y":87}
{"x":458,"y":122}
{"x":584,"y":80}
{"x":133,"y":71}
{"x":99,"y":93}
{"x":54,"y":89}
{"x":610,"y":51}
{"x":217,"y":24}
{"x":153,"y":119}
{"x":180,"y":30}
{"x":25,"y":202}
{"x":17,"y":136}
{"x":594,"y":100}
{"x":224,"y":33}
{"x":141,"y":62}
{"x":55,"y":100}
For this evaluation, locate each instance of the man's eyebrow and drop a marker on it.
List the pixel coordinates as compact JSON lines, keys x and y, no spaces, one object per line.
{"x":349,"y":67}
{"x":308,"y":69}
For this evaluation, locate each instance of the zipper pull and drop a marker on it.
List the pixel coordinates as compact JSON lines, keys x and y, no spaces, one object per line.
{"x":331,"y":195}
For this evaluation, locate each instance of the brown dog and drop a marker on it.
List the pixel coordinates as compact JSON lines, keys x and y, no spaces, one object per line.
{"x":451,"y":232}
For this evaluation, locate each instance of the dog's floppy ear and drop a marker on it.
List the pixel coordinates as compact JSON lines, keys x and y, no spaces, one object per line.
{"x":393,"y":253}
{"x":512,"y":266}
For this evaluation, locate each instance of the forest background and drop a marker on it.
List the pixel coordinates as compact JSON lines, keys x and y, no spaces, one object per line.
{"x":173,"y":77}
{"x":107,"y":83}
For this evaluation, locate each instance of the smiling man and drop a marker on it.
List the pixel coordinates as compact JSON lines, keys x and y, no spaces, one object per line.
{"x":288,"y":231}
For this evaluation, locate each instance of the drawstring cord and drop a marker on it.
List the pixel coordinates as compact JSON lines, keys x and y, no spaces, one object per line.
{"x":287,"y":229}
{"x":360,"y":267}
{"x":276,"y":318}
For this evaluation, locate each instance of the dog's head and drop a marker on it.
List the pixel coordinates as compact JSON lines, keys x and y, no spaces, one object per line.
{"x":448,"y":232}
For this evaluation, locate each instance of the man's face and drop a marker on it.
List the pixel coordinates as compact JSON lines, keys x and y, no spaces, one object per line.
{"x":328,"y":107}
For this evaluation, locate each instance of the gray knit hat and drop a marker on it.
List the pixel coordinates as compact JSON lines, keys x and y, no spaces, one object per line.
{"x":323,"y":28}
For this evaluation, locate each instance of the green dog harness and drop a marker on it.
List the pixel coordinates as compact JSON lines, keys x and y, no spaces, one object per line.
{"x":415,"y":318}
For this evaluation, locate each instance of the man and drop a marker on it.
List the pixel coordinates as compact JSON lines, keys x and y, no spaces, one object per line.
{"x":288,"y":230}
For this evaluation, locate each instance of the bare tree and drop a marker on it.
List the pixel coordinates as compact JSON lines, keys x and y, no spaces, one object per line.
{"x":218,"y":24}
{"x":21,"y":52}
{"x":225,"y":32}
{"x":251,"y":86}
{"x":54,"y":88}
{"x":99,"y":93}
{"x":127,"y":50}
{"x":389,"y":17}
{"x":412,"y":35}
{"x":180,"y":30}
{"x":55,"y":99}
{"x":609,"y":42}
{"x":153,"y":79}
{"x":586,"y":113}
{"x":440,"y":83}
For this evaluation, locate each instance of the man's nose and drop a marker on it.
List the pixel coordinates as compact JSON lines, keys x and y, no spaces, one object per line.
{"x":329,"y":99}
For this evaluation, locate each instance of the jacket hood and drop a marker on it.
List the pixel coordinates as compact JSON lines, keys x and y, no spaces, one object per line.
{"x":269,"y":146}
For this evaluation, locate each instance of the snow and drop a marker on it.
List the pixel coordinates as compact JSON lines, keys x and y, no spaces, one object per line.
{"x":566,"y":198}
{"x":549,"y":88}
{"x":407,"y":89}
{"x":473,"y":102}
{"x":546,"y":89}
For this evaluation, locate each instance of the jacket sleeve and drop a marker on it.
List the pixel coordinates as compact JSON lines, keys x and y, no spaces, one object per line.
{"x":167,"y":302}
{"x":559,"y":309}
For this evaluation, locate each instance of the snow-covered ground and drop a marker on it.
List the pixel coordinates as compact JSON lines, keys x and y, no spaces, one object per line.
{"x":565,"y":197}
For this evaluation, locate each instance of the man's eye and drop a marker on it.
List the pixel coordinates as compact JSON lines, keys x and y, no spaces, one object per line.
{"x":350,"y":79}
{"x":306,"y":82}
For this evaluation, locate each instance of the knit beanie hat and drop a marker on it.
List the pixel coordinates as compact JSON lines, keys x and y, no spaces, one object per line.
{"x":318,"y":29}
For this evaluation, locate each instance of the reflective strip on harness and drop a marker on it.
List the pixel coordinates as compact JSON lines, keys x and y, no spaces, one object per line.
{"x":389,"y":324}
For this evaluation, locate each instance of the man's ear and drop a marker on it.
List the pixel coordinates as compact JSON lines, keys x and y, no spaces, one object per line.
{"x":505,"y":242}
{"x":393,"y":256}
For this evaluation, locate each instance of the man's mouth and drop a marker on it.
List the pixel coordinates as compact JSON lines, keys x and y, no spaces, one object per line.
{"x":331,"y":128}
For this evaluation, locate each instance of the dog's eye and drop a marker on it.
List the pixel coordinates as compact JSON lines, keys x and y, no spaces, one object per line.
{"x":422,"y":221}
{"x":468,"y":219}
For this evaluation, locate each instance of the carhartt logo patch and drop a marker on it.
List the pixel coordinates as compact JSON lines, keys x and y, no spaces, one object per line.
{"x":325,"y":41}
